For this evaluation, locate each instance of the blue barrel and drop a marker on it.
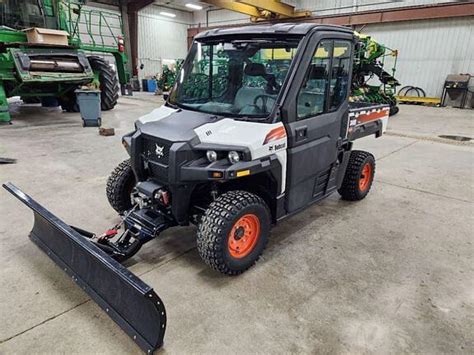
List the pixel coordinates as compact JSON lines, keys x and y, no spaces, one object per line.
{"x":151,"y":85}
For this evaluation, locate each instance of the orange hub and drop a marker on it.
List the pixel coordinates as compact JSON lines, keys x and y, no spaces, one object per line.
{"x":365,"y":177}
{"x":244,"y":236}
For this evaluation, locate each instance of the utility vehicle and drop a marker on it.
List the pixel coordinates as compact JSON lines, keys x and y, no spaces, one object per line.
{"x":266,"y":133}
{"x":38,"y":70}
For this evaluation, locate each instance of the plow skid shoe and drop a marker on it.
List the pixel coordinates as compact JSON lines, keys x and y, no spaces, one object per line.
{"x":130,"y":302}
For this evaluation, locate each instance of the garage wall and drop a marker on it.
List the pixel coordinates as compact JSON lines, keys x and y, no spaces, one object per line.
{"x":331,"y":7}
{"x":161,"y":38}
{"x":318,"y":8}
{"x":429,"y":50}
{"x":217,"y":17}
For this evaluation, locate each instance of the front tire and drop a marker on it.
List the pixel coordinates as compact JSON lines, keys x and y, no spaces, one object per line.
{"x":119,"y":187}
{"x":234,"y":232}
{"x":358,"y":177}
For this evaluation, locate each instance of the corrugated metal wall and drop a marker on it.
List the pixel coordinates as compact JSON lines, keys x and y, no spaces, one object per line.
{"x":429,"y":50}
{"x":317,"y":7}
{"x":218,"y":17}
{"x":330,"y":7}
{"x":161,"y":38}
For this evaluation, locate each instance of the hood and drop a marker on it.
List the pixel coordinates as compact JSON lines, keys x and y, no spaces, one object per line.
{"x":174,"y":125}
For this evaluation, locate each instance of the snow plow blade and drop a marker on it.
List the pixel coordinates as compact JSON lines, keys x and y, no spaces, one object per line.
{"x":130,"y":302}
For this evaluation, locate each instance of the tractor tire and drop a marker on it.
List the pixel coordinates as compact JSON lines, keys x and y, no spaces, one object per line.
{"x":358,"y":177}
{"x":119,"y":187}
{"x":234,"y":232}
{"x":109,"y":86}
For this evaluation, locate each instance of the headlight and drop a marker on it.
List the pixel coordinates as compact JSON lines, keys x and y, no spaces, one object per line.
{"x":233,"y":156}
{"x":211,"y":155}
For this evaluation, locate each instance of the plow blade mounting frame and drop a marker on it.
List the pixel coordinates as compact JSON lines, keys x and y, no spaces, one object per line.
{"x":130,"y":302}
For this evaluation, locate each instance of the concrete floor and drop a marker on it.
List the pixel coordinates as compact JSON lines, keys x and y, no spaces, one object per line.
{"x":393,"y":273}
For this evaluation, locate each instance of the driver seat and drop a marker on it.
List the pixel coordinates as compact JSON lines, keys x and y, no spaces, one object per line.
{"x":244,"y":99}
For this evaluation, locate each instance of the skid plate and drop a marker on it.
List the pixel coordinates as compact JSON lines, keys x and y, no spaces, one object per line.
{"x":130,"y":302}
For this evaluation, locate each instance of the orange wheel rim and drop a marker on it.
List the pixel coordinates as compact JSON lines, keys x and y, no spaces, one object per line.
{"x":365,"y":177}
{"x":244,"y":236}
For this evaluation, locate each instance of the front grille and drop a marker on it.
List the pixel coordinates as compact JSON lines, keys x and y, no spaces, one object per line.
{"x":157,"y":150}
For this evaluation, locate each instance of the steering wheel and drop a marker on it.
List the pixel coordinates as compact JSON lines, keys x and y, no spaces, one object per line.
{"x":264,"y":98}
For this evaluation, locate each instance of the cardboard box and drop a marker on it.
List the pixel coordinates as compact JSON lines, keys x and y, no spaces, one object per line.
{"x":38,"y":35}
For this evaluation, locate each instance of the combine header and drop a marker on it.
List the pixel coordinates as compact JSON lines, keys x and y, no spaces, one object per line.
{"x":37,"y":69}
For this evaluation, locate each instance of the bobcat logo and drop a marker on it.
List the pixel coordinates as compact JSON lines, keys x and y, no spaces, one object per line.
{"x":159,"y":151}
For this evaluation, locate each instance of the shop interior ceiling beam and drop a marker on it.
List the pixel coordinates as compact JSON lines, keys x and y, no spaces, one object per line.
{"x":260,"y":9}
{"x":252,"y":11}
{"x":275,"y":9}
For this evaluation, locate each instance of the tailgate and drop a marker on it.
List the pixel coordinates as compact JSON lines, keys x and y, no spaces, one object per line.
{"x":367,"y":119}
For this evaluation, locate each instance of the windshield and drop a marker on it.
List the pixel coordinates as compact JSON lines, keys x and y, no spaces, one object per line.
{"x":238,"y":78}
{"x":20,"y":14}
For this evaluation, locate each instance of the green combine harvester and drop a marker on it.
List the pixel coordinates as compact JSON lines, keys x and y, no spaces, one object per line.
{"x":35,"y":70}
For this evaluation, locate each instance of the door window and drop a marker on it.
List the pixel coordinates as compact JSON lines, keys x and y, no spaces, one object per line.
{"x":326,"y":83}
{"x":341,"y":63}
{"x":312,"y":94}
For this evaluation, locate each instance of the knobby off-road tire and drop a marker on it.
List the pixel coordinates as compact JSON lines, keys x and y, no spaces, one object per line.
{"x":358,"y":177}
{"x":234,"y":232}
{"x":109,"y":86}
{"x":119,"y":187}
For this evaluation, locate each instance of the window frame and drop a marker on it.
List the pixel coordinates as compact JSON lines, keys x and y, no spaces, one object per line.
{"x":327,"y":98}
{"x":349,"y":73}
{"x":326,"y":89}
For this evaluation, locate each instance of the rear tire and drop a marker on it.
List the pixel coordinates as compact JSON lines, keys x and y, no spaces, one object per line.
{"x":119,"y":187}
{"x":233,"y":232}
{"x":109,"y":86}
{"x":358,"y":177}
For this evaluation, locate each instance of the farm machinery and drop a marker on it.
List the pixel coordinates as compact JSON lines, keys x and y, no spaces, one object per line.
{"x":36,"y":70}
{"x":370,"y":60}
{"x":259,"y":125}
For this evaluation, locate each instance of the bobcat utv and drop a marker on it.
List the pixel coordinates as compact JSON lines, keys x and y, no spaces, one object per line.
{"x":257,"y":127}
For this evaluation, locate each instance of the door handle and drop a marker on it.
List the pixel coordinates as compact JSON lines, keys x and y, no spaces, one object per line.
{"x":301,"y":133}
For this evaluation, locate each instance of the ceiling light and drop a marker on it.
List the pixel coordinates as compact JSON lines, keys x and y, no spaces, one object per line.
{"x":194,"y":6}
{"x":169,"y":14}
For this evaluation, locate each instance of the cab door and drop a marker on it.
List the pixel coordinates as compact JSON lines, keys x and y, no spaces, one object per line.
{"x":315,"y":115}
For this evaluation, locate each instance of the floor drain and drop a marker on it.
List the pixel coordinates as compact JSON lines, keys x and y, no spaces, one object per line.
{"x":455,"y":138}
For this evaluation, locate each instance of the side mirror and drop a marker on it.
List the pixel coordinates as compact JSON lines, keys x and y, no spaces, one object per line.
{"x":165,"y":97}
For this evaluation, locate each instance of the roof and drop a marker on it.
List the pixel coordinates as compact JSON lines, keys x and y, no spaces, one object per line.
{"x":269,"y":29}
